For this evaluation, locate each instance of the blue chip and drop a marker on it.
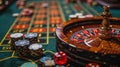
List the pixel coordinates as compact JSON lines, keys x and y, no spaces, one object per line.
{"x":43,"y":59}
{"x":22,"y":43}
{"x":30,"y":35}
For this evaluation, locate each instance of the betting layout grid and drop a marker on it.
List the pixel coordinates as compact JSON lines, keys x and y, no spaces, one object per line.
{"x":43,"y":21}
{"x":61,"y":11}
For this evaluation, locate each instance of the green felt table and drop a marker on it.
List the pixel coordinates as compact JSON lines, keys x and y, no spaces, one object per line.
{"x":8,"y":25}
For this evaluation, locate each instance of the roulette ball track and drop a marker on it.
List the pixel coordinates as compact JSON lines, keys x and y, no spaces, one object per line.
{"x":91,"y":40}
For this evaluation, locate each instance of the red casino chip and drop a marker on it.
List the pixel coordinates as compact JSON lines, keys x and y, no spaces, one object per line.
{"x":21,"y":26}
{"x":27,"y":12}
{"x":52,"y":29}
{"x":37,"y":30}
{"x":40,"y":22}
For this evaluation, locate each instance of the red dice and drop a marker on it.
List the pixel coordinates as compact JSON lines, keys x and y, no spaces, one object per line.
{"x":60,"y":58}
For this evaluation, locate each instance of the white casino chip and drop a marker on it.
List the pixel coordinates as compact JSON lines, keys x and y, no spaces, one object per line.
{"x":35,"y":46}
{"x":15,"y":14}
{"x":31,"y":35}
{"x":16,"y":35}
{"x":79,"y":14}
{"x":22,"y":42}
{"x":72,"y":16}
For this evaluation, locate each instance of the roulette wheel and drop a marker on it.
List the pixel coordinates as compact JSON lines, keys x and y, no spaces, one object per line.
{"x":111,"y":3}
{"x":91,"y":41}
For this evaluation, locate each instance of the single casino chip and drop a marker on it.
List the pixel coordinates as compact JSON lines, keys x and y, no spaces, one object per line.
{"x":35,"y":46}
{"x":30,"y":35}
{"x":72,"y":16}
{"x":27,"y":12}
{"x":79,"y":14}
{"x":49,"y":63}
{"x":16,"y":35}
{"x":43,"y":59}
{"x":15,"y":14}
{"x":22,"y":43}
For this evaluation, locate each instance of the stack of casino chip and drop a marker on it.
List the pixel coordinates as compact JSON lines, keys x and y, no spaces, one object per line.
{"x":36,"y":50}
{"x":72,"y":16}
{"x":32,"y":37}
{"x":26,"y":45}
{"x":80,"y":15}
{"x":15,"y":37}
{"x":22,"y":47}
{"x":76,"y":15}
